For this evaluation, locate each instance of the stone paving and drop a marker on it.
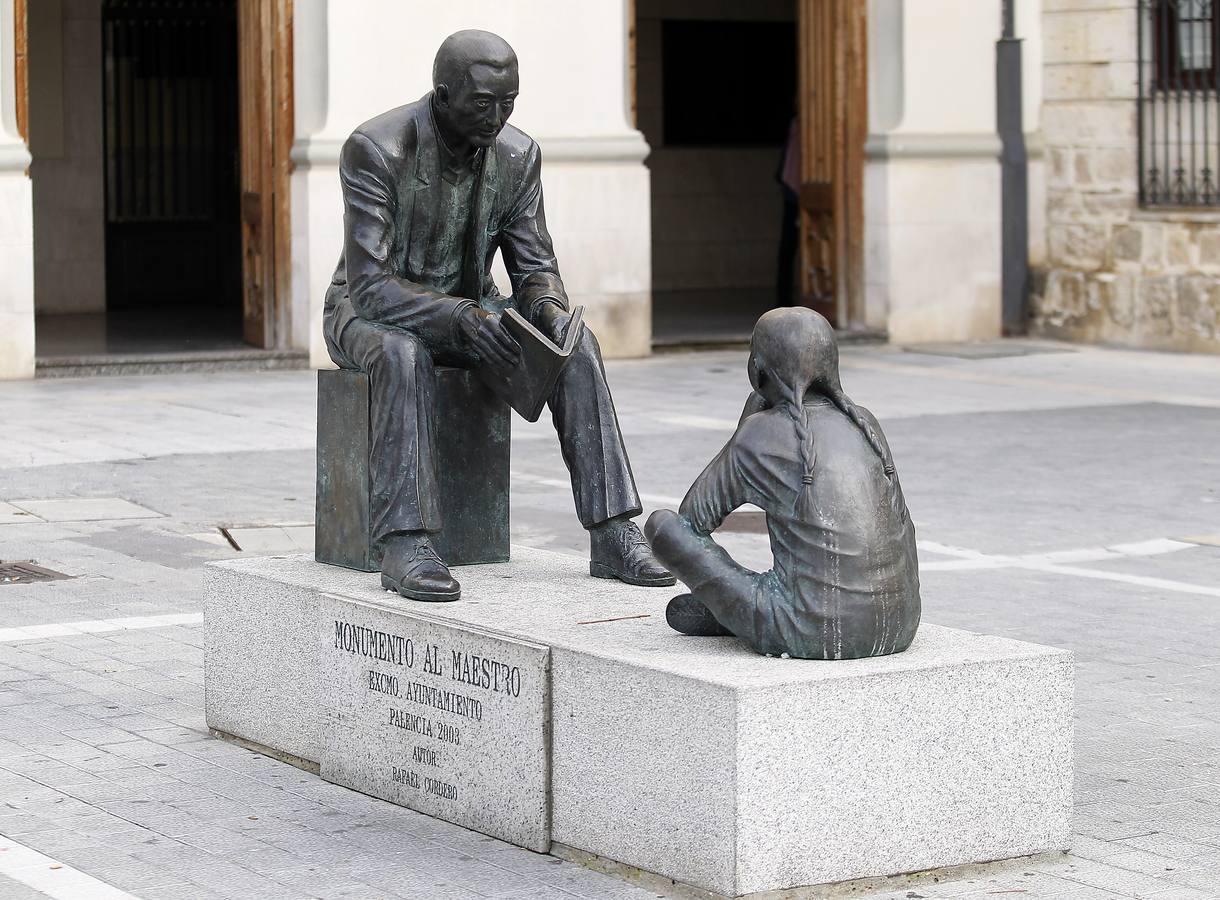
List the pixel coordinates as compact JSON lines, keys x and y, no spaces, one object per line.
{"x":1021,"y":469}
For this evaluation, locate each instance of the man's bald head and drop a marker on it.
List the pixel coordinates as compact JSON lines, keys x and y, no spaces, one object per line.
{"x":474,"y":84}
{"x":465,"y":49}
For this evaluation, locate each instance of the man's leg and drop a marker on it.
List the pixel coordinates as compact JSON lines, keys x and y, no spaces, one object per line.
{"x":602,"y":484}
{"x":404,"y":506}
{"x":584,"y":417}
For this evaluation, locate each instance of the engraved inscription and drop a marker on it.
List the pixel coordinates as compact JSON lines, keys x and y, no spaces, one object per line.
{"x":440,"y":700}
{"x":383,"y":684}
{"x":450,"y":734}
{"x":410,"y":722}
{"x":375,"y":644}
{"x":405,"y":777}
{"x":440,"y":788}
{"x":486,"y":673}
{"x":425,"y":757}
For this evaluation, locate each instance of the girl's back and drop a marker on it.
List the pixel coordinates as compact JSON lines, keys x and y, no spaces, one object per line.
{"x":846,"y":573}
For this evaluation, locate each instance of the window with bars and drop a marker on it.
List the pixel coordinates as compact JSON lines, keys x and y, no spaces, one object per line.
{"x":1178,"y":112}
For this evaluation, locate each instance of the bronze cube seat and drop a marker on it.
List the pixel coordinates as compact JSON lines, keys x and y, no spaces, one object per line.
{"x":472,"y":452}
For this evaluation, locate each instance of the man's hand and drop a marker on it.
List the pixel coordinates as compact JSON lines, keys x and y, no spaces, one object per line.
{"x":552,"y":321}
{"x":489,"y":340}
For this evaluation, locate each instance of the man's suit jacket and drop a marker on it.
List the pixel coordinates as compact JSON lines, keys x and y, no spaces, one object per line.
{"x":388,"y":167}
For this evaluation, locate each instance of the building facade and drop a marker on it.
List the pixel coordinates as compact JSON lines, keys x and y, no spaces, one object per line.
{"x":1133,"y":208}
{"x":662,"y":127}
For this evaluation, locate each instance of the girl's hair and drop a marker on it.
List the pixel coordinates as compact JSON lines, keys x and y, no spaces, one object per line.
{"x":796,"y":347}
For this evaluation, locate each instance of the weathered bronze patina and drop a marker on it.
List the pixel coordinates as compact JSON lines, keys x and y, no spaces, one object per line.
{"x":431,"y":190}
{"x":846,"y":577}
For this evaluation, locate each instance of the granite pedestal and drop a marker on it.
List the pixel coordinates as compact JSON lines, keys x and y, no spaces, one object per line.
{"x":472,"y":454}
{"x":689,"y":757}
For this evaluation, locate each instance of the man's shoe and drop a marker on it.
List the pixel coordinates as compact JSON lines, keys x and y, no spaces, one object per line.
{"x":618,"y":549}
{"x":689,"y":616}
{"x":411,"y":567}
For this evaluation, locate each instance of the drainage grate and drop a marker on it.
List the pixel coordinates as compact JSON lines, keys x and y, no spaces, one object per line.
{"x":24,"y":571}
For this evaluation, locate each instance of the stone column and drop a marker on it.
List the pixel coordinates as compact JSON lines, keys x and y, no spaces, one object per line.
{"x":316,"y":204}
{"x":368,"y":56}
{"x":16,"y":221}
{"x":932,"y":176}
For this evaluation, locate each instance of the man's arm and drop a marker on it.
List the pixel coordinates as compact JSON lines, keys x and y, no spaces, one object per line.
{"x":529,"y":256}
{"x":377,"y":293}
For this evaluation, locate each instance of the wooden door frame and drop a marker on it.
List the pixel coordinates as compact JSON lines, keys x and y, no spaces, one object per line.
{"x":855,"y":130}
{"x":834,"y":181}
{"x":265,"y":83}
{"x":21,"y":68}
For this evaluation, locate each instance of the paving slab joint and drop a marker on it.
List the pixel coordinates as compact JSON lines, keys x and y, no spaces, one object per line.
{"x":299,"y":761}
{"x":667,"y":887}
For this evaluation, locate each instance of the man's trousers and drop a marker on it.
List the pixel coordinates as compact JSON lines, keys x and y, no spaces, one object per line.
{"x":402,"y":422}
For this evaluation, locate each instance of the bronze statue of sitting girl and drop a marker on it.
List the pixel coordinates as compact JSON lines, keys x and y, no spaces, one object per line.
{"x":846,"y":578}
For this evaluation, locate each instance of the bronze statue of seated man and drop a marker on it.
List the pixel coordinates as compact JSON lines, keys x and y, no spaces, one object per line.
{"x":846,"y":578}
{"x":431,"y":190}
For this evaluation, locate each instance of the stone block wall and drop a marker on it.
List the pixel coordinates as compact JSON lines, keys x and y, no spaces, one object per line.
{"x":1113,"y":272}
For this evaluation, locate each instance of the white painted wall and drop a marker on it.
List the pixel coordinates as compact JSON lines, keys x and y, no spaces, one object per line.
{"x":574,"y":102}
{"x":932,"y":177}
{"x":16,"y":223}
{"x":949,"y":66}
{"x":572,"y":57}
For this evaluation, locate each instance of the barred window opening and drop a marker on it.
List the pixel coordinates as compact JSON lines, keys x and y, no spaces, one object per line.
{"x":1178,"y":109}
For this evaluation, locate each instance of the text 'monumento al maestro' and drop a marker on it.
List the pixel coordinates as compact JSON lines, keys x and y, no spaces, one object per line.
{"x":449,"y":721}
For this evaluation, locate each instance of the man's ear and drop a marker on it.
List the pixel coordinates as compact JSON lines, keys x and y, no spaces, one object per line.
{"x":442,"y":95}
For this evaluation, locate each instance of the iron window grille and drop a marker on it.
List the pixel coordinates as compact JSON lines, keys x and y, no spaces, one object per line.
{"x":1178,"y":108}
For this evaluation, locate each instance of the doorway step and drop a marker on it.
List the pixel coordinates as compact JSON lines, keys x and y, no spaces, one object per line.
{"x":150,"y":341}
{"x":721,"y":319}
{"x":249,"y":359}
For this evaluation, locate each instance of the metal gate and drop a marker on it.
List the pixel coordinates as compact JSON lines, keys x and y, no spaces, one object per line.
{"x":173,"y":238}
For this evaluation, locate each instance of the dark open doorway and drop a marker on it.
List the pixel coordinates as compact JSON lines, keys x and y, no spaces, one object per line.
{"x":751,"y":207}
{"x":159,"y":131}
{"x":716,"y":90}
{"x":170,"y":113}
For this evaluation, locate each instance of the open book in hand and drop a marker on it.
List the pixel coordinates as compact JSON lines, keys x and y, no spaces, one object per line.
{"x":527,"y":388}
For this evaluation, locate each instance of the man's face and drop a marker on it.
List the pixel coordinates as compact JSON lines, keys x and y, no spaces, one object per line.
{"x":478,"y":108}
